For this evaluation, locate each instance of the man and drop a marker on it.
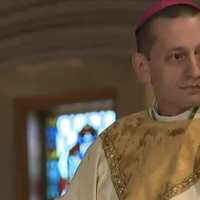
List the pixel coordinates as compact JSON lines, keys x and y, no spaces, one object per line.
{"x":154,"y":155}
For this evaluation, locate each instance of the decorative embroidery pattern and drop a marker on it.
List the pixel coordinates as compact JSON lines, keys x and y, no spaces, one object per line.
{"x":197,"y":159}
{"x":173,"y":190}
{"x":113,"y":160}
{"x":175,"y":132}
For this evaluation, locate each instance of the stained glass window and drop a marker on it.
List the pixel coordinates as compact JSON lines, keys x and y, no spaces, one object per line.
{"x":68,"y":136}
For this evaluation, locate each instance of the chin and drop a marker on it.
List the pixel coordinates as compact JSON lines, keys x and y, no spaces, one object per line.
{"x":194,"y":102}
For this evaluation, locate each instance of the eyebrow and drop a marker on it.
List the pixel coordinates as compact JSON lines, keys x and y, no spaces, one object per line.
{"x":178,"y":49}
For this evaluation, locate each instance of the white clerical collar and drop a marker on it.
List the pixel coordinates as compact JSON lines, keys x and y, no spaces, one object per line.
{"x":183,"y":116}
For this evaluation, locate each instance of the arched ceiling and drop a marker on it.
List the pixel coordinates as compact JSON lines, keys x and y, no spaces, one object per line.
{"x":89,"y":29}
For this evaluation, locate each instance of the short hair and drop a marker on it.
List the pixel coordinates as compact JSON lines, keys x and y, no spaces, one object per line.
{"x":145,"y":37}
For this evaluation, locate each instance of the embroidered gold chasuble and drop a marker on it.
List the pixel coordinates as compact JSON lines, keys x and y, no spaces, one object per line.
{"x":142,"y":159}
{"x":153,"y":160}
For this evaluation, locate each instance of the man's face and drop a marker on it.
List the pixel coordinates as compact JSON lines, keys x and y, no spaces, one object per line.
{"x":175,"y":62}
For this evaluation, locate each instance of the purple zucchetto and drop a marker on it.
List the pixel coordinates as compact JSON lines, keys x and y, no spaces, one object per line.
{"x":161,"y":5}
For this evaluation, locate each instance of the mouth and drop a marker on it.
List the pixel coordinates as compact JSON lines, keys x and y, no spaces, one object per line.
{"x":193,"y":89}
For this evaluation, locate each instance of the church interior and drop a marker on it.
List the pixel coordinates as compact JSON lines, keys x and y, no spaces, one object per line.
{"x":60,"y":57}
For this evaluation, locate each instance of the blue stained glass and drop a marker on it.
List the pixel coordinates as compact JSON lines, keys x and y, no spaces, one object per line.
{"x":87,"y":138}
{"x":53,"y":172}
{"x":64,"y":124}
{"x":65,"y":137}
{"x":52,"y":191}
{"x":51,"y":133}
{"x":83,"y":148}
{"x":73,"y":164}
{"x":53,"y":177}
{"x":109,"y":118}
{"x":79,"y":120}
{"x":61,"y":144}
{"x":65,"y":128}
{"x":72,"y":138}
{"x":95,"y":119}
{"x":63,"y":165}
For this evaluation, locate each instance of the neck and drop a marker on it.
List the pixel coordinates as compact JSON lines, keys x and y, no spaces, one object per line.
{"x":166,"y":110}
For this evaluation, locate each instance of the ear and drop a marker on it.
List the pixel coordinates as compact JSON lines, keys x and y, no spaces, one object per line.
{"x":142,"y":68}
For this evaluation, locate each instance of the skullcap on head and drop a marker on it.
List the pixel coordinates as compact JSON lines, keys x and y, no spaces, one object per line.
{"x":161,"y":5}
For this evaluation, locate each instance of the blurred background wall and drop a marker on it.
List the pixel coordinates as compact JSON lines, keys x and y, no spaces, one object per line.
{"x":58,"y":46}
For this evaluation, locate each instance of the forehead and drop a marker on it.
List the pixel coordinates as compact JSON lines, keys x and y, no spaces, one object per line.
{"x":180,"y":31}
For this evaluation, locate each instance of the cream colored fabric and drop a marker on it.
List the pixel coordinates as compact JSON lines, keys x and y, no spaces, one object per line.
{"x":182,"y":116}
{"x":93,"y":179}
{"x":191,"y":194}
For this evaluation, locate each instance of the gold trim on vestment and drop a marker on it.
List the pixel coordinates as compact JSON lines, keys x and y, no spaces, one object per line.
{"x":113,"y":160}
{"x":174,"y":190}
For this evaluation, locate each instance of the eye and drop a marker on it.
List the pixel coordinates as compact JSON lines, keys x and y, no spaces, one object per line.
{"x":197,"y":52}
{"x":177,"y":56}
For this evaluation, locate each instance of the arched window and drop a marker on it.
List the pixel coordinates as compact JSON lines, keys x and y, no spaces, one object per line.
{"x":68,"y":136}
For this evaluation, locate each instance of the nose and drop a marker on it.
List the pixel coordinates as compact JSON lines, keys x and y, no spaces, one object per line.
{"x":194,"y":67}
